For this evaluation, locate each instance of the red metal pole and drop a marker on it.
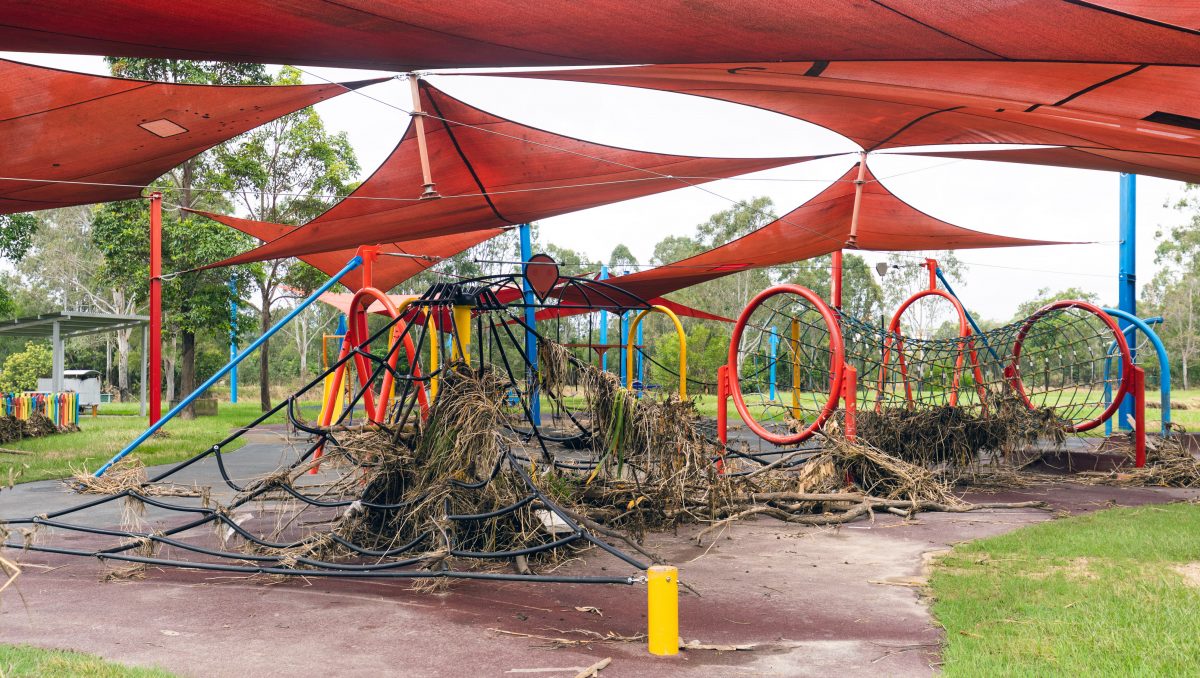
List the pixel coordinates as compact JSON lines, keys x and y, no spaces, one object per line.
{"x":722,"y":414}
{"x":836,"y":288}
{"x":155,"y":336}
{"x":850,"y":401}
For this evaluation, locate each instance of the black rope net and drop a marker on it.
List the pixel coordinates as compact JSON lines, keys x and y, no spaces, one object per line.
{"x":1059,"y":370}
{"x":457,"y":486}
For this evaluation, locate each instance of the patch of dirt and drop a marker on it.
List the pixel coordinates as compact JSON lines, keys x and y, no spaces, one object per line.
{"x":1190,"y":573}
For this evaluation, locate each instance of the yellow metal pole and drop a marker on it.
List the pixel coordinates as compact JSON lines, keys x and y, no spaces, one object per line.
{"x":435,"y":341}
{"x":663,"y":610}
{"x":462,"y":334}
{"x":795,"y":343}
{"x":682,"y":347}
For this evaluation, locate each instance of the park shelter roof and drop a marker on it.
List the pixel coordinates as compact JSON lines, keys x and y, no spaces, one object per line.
{"x":70,"y":324}
{"x":819,"y":226}
{"x":407,"y":34}
{"x":490,"y":173}
{"x":115,"y":135}
{"x":389,"y":270}
{"x":1136,"y":118}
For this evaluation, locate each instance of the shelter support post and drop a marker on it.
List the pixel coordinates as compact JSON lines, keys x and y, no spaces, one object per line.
{"x":722,"y":403}
{"x":662,"y":613}
{"x":1127,"y":283}
{"x":220,"y":374}
{"x":623,"y":372}
{"x":461,"y":348}
{"x":628,"y":354}
{"x":155,"y":337}
{"x":531,"y":347}
{"x":57,"y":358}
{"x":233,"y":328}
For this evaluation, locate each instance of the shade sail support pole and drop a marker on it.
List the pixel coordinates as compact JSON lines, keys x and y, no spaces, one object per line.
{"x":531,"y":347}
{"x":155,"y":336}
{"x":1127,"y":284}
{"x":852,"y":241}
{"x":350,"y":266}
{"x":418,"y":117}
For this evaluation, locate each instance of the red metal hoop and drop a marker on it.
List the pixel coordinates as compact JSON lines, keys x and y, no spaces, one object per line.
{"x":837,"y":360}
{"x":1013,"y":371}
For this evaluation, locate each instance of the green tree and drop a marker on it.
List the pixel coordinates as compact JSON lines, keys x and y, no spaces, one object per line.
{"x":21,"y":371}
{"x":16,"y":235}
{"x":192,"y":301}
{"x":621,"y":260}
{"x":285,"y":172}
{"x":1174,"y":291}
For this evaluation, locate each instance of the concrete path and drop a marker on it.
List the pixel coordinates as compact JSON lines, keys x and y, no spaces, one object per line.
{"x":812,"y":601}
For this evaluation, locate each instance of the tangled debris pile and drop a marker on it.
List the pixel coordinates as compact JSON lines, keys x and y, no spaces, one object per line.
{"x":37,"y":425}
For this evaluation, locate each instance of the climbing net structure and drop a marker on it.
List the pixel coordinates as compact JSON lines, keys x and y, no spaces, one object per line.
{"x":442,"y":476}
{"x":795,"y":362}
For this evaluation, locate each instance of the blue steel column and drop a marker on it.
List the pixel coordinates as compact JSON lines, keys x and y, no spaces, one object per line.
{"x":531,"y":350}
{"x":640,"y":376}
{"x":233,"y":309}
{"x":604,"y":326}
{"x":774,"y":344}
{"x":1127,"y":285}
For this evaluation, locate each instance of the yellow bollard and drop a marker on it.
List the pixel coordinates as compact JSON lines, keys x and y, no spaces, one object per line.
{"x":663,"y":612}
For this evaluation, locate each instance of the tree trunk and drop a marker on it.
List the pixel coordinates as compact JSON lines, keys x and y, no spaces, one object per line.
{"x":169,"y":368}
{"x":123,"y":363}
{"x":187,"y":372}
{"x":1185,"y":374}
{"x":264,"y":356}
{"x":302,"y":344}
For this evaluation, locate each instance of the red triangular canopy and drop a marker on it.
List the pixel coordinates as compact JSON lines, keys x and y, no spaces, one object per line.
{"x":1109,"y":109}
{"x":491,"y":172}
{"x":819,"y":226}
{"x":388,"y":271}
{"x":1179,"y":168}
{"x":407,"y":34}
{"x":61,"y":126}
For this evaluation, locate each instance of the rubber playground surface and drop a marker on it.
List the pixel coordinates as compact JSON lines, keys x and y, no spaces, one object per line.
{"x":798,"y":601}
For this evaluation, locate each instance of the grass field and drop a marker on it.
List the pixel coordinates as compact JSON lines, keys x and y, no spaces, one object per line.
{"x":101,"y":437}
{"x":23,"y":661}
{"x":1114,"y":593}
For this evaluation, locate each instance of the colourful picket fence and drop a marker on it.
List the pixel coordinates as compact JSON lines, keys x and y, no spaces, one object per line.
{"x":61,"y":408}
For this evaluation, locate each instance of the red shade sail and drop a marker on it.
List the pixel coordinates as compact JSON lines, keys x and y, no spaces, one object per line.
{"x":388,"y":270}
{"x":819,"y":226}
{"x":1107,"y":109}
{"x":62,"y":126}
{"x":491,"y":172}
{"x":406,"y":34}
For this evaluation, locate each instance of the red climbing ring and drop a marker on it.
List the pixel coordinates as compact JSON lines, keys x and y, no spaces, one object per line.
{"x":837,"y":363}
{"x":1013,"y":371}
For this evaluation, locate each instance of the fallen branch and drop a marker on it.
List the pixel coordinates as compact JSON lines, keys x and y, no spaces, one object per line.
{"x":594,"y":670}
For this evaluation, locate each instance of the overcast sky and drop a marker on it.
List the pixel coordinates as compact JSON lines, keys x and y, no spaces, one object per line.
{"x":1017,"y":200}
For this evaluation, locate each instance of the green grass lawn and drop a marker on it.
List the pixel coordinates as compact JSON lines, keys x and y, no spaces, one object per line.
{"x":1114,"y":593}
{"x":101,"y":437}
{"x":23,"y":661}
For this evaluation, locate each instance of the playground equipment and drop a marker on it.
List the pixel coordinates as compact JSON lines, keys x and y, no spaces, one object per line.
{"x":1058,"y":360}
{"x":491,"y":509}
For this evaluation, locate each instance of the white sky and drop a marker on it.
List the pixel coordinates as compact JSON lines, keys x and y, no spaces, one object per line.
{"x":1017,"y":200}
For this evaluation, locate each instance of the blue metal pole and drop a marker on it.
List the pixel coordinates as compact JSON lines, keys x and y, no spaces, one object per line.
{"x":1127,"y":284}
{"x":774,"y":344}
{"x":531,"y":349}
{"x":624,"y":333}
{"x":604,"y":325}
{"x":233,"y":309}
{"x":1164,"y":365}
{"x":974,"y":325}
{"x":353,"y":264}
{"x":641,"y":342}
